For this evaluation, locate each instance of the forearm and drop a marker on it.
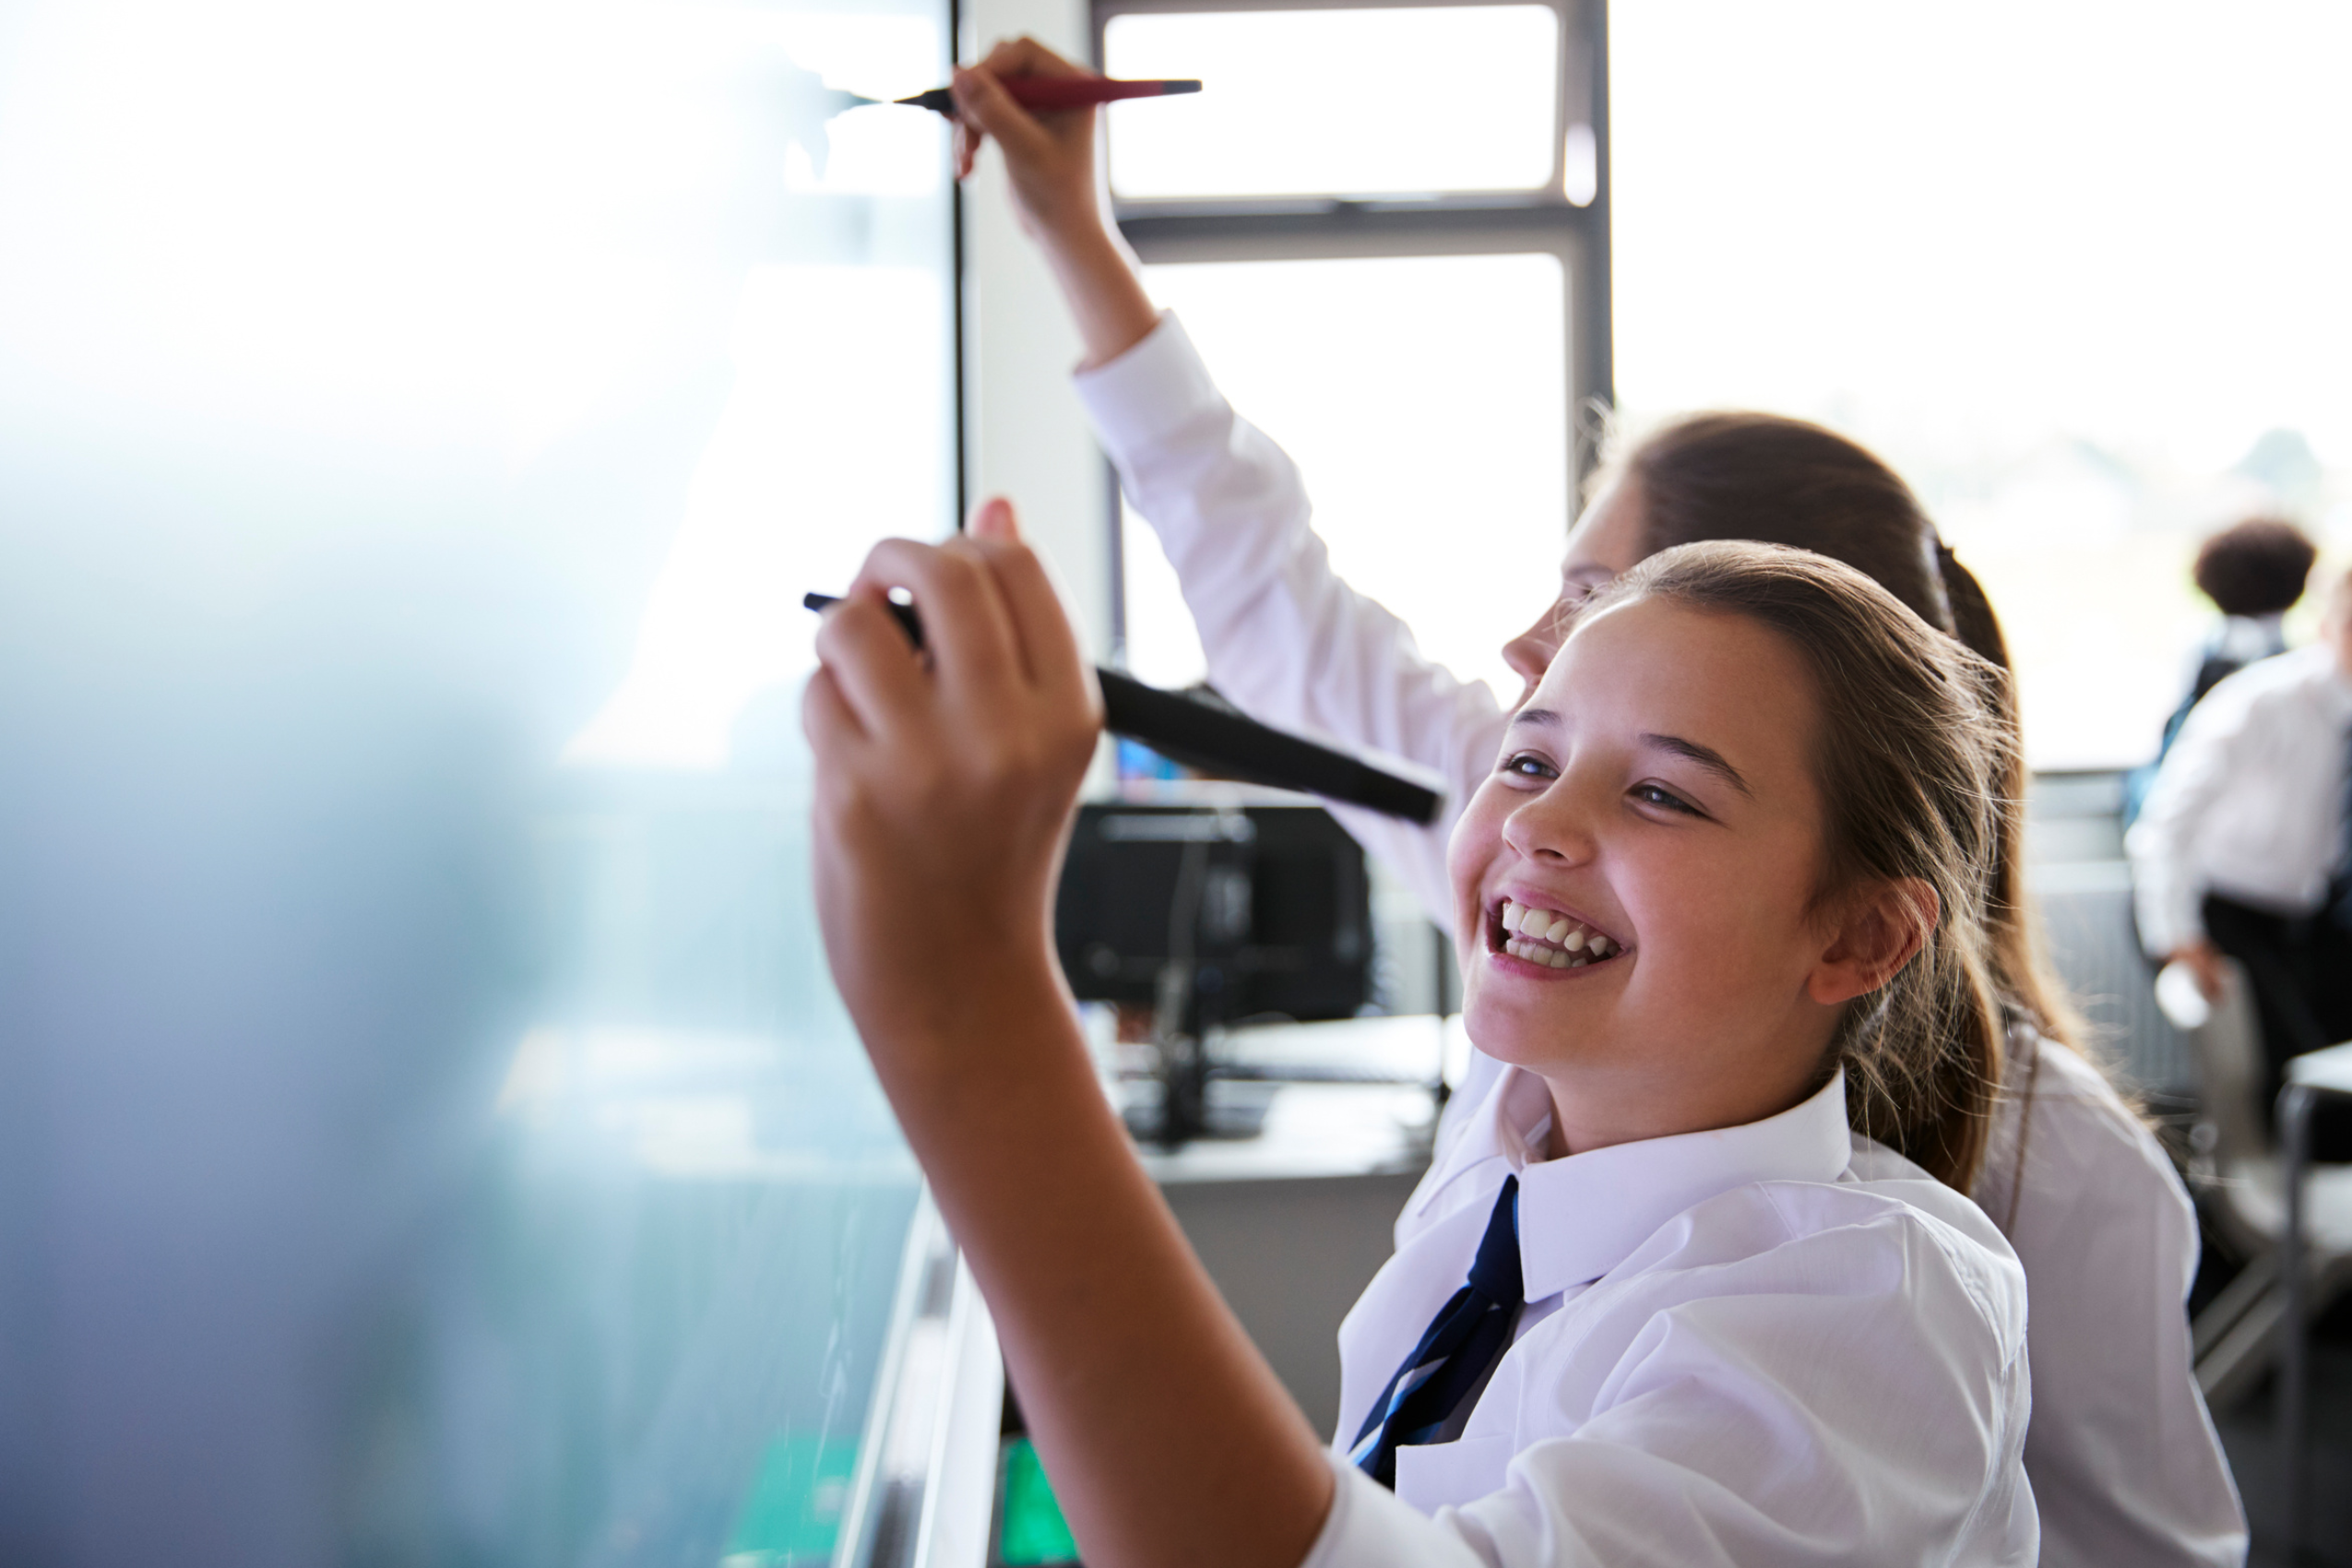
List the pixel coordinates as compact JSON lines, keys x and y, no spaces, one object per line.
{"x":1097,"y":279}
{"x":1145,"y":1398}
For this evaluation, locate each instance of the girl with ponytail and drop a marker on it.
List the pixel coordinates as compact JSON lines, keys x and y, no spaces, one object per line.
{"x":1697,"y":1283}
{"x":2124,"y":1461}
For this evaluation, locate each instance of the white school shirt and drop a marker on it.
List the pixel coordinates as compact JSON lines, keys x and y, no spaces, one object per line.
{"x":2122,"y":1452}
{"x":1778,"y":1343}
{"x":2249,"y":801}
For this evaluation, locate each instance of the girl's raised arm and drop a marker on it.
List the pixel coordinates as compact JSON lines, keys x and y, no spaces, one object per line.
{"x":944,"y":783}
{"x":1049,"y":159}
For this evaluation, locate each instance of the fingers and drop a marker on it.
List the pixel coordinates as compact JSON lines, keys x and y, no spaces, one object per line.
{"x":993,"y":520}
{"x":991,"y":618}
{"x":1024,"y":57}
{"x":826,"y":719}
{"x":966,"y":624}
{"x":1048,"y":647}
{"x":982,"y":100}
{"x":874,"y":672}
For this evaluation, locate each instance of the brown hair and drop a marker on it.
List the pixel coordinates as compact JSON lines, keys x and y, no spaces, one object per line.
{"x":1778,"y":481}
{"x":1784,"y":482}
{"x":2258,"y":567}
{"x":1910,"y":758}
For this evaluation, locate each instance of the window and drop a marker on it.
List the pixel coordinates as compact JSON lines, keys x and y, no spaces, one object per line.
{"x":2073,"y":271}
{"x":1426,"y":399}
{"x":1474,"y":90}
{"x":423,"y":422}
{"x":1385,"y":227}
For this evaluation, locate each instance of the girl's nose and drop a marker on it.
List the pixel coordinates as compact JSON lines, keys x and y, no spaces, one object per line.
{"x":1530,"y":653}
{"x":1555,"y":827}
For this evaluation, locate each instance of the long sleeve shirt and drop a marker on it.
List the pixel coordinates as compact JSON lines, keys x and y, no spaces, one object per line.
{"x":2121,"y":1451}
{"x":2249,"y":802}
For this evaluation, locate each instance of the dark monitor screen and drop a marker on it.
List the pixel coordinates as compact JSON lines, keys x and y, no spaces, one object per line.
{"x":1275,"y":895}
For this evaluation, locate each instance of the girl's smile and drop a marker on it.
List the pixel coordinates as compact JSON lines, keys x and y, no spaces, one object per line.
{"x":1555,"y":941}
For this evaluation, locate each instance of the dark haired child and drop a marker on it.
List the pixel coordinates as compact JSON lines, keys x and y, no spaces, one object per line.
{"x":2245,"y":848}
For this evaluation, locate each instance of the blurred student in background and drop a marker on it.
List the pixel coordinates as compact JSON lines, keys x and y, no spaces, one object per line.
{"x":2123,"y":1460}
{"x":2244,"y":848}
{"x":2255,"y":572}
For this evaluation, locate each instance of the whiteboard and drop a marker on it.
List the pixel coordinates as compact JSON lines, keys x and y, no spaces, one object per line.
{"x":427,"y":1133}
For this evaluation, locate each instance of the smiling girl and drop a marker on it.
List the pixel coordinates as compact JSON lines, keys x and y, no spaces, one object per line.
{"x":1694,"y":1285}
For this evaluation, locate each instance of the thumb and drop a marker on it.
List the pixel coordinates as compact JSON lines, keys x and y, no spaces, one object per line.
{"x":993,"y":520}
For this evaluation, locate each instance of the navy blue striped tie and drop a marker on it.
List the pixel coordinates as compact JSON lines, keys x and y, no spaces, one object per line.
{"x":1466,"y":1337}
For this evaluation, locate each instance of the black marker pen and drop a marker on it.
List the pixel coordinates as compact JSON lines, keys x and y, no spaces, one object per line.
{"x":1196,"y":735}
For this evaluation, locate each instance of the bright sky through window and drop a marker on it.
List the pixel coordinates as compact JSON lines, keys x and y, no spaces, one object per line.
{"x":1425,"y":399}
{"x":2075,"y":269}
{"x":1401,"y":99}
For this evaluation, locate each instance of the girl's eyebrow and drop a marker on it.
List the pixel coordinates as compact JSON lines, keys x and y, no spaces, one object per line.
{"x":1705,"y":756}
{"x":1714,"y":761}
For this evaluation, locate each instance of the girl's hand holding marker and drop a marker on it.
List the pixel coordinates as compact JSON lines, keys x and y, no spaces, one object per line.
{"x":944,"y":779}
{"x":1050,"y":165}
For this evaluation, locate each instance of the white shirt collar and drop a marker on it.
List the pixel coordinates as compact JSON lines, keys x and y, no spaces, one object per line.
{"x":2248,"y":637}
{"x":1582,"y":1215}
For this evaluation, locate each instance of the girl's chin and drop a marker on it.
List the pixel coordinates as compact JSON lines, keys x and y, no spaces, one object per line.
{"x":1515,"y":1029}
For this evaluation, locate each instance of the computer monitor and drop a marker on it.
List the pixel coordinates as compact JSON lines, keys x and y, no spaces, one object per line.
{"x":1269,"y":903}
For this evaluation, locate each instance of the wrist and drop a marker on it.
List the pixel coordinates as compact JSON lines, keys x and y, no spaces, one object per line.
{"x":994,"y":1007}
{"x":1112,"y":311}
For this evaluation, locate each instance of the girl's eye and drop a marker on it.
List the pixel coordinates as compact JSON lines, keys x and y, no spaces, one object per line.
{"x":1527,"y":765}
{"x":1655,"y":795}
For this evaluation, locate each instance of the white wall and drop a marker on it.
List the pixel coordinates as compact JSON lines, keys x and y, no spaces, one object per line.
{"x":1027,"y":439}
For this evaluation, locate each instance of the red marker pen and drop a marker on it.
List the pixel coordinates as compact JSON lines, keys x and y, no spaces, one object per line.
{"x":1058,"y":92}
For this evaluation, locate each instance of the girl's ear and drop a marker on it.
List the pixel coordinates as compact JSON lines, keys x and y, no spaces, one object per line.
{"x":1882,"y":931}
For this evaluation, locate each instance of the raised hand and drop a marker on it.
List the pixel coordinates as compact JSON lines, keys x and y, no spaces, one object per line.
{"x":1048,"y":156}
{"x":944,"y":782}
{"x":1050,"y":165}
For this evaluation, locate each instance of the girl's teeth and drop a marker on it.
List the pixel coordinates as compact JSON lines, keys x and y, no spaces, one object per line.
{"x":1544,"y":937}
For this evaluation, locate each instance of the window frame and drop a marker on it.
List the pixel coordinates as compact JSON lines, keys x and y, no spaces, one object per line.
{"x":1294,"y":228}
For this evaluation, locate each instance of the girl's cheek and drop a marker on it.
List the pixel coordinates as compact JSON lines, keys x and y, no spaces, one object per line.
{"x":1477,"y":835}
